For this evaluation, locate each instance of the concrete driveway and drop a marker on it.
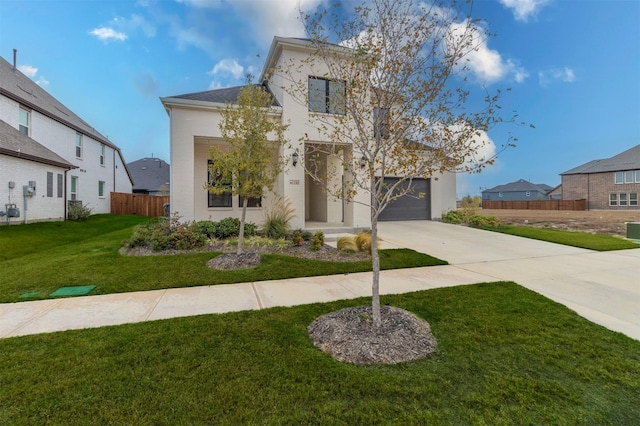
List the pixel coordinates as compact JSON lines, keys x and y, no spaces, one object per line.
{"x":602,"y":287}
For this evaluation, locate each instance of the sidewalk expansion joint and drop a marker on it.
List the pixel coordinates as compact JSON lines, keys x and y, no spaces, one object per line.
{"x":255,"y":291}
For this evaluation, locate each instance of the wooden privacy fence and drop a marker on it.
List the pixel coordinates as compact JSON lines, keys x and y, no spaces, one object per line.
{"x":576,"y":205}
{"x":140,"y":204}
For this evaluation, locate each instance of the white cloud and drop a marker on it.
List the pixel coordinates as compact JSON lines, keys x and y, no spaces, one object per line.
{"x":42,"y":82}
{"x":267,"y":18}
{"x":134,"y":23}
{"x":564,"y":75}
{"x":228,"y":66}
{"x":215,"y":85}
{"x":486,"y":64}
{"x":28,"y":70}
{"x":523,"y":9}
{"x":31,"y":72}
{"x":107,"y":34}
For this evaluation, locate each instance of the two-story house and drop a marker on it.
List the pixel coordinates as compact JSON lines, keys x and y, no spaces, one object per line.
{"x":194,"y":126}
{"x":607,"y":184}
{"x":47,"y":147}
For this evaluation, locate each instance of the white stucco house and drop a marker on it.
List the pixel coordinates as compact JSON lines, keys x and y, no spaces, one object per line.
{"x":194,"y":128}
{"x":49,"y":156}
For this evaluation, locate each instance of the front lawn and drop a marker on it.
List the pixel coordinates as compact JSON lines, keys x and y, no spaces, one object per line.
{"x":40,"y":258}
{"x":505,"y":356}
{"x":596,"y":242}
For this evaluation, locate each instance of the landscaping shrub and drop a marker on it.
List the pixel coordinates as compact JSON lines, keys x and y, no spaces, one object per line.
{"x":77,"y":212}
{"x":347,"y":243}
{"x":363,"y":241}
{"x":453,"y":216}
{"x":317,"y":241}
{"x":296,"y":237}
{"x":167,"y":234}
{"x":483,"y":221}
{"x":277,"y":218}
{"x":207,"y":228}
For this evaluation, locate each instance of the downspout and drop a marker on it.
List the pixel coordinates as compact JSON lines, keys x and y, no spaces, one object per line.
{"x":588,"y":189}
{"x":114,"y":172}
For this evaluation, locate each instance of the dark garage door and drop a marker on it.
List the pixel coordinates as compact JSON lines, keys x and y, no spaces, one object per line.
{"x":410,"y":207}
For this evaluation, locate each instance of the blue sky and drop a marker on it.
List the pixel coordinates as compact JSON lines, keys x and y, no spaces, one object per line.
{"x":573,"y":67}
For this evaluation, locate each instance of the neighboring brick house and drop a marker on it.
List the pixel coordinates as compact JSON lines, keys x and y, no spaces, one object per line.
{"x":607,"y":184}
{"x":47,"y":146}
{"x":520,"y":190}
{"x":194,"y":120}
{"x":150,"y":176}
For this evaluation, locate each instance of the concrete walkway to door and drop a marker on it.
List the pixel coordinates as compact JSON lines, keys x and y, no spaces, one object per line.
{"x":602,"y":287}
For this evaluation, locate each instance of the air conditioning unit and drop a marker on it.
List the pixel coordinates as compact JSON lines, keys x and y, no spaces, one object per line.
{"x":633,"y":230}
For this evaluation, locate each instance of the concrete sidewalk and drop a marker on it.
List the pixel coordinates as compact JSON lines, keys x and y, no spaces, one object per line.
{"x":602,"y":287}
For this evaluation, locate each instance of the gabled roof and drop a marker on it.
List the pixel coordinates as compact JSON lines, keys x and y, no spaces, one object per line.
{"x":150,"y":174}
{"x":520,"y":186}
{"x":218,"y":96}
{"x":15,"y":144}
{"x":17,"y":86}
{"x":627,"y":160}
{"x":299,"y":43}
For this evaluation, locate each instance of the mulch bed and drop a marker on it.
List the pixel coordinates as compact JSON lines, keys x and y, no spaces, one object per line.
{"x":349,"y":335}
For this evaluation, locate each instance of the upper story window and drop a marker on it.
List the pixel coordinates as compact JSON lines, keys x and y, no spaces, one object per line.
{"x":381,"y":122}
{"x":327,"y":95}
{"x":24,"y":121}
{"x":78,"y":145}
{"x":102,"y":150}
{"x":630,"y":176}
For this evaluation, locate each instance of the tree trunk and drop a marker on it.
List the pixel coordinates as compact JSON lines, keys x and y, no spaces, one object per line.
{"x":245,"y":201}
{"x":375,"y":263}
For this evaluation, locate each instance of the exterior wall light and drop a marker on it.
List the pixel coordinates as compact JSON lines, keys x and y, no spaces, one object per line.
{"x":294,"y":159}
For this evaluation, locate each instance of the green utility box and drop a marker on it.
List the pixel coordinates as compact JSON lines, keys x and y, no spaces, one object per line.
{"x":633,"y":230}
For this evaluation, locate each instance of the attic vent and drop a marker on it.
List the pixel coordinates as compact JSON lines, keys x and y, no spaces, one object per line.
{"x":62,"y":111}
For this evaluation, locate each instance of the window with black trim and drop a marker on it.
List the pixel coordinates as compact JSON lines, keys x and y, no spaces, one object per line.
{"x":218,"y":200}
{"x":381,"y":122}
{"x":102,"y":150}
{"x":327,"y":96}
{"x":253,"y":202}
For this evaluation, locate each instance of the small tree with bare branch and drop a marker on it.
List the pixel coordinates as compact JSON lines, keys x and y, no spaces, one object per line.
{"x":246,"y":165}
{"x":398,"y":104}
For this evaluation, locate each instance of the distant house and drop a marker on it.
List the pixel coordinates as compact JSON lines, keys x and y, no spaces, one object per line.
{"x":49,"y":156}
{"x":607,"y":184}
{"x":150,"y":176}
{"x":520,"y":190}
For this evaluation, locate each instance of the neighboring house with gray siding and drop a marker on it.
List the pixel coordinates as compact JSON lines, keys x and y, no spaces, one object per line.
{"x":520,"y":190}
{"x":53,"y":150}
{"x":150,"y":176}
{"x":607,"y":184}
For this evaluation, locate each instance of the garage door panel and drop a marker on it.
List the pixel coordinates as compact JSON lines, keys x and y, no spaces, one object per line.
{"x":409,"y":207}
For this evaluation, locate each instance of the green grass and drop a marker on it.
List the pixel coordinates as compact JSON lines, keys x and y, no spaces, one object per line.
{"x":48,"y":256}
{"x":596,"y":242}
{"x":506,"y":356}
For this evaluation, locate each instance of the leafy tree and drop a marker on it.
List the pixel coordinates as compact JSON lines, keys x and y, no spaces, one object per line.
{"x":246,"y":165}
{"x":399,"y":102}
